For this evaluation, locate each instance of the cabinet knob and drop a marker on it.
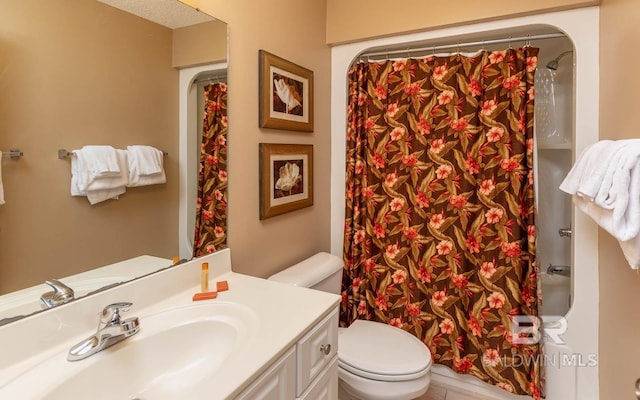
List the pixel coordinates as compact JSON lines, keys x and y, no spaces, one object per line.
{"x":326,"y":349}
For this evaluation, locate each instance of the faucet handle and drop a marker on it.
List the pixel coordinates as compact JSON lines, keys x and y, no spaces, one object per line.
{"x":61,"y":291}
{"x":111,"y":313}
{"x":61,"y":294}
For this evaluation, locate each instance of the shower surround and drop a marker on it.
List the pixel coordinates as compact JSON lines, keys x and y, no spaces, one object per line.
{"x":563,"y":381}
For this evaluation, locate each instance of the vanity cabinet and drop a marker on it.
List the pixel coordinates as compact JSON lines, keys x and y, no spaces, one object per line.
{"x":326,"y":386}
{"x":277,"y":383}
{"x":307,"y":371}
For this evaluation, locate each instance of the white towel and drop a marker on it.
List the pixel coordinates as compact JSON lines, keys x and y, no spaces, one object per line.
{"x":92,"y":163}
{"x":101,"y":161}
{"x":605,"y":183}
{"x":98,"y":186}
{"x":1,"y":185}
{"x":145,"y":164}
{"x":586,"y":176}
{"x":619,"y":184}
{"x":604,"y":218}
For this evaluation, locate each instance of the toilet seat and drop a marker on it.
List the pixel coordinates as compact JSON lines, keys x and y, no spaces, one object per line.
{"x":382,"y":352}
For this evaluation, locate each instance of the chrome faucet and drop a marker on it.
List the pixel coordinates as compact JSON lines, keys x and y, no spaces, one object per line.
{"x":61,"y":294}
{"x":111,"y":330}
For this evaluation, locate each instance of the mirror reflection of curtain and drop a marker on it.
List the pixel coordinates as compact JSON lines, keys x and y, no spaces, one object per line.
{"x":440,"y":215}
{"x":211,"y":208}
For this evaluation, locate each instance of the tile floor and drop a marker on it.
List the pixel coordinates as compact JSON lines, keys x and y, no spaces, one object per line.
{"x":441,"y":392}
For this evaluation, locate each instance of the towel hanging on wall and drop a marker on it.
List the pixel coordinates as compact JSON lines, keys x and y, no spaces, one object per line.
{"x":605,"y":184}
{"x":98,"y":172}
{"x":145,"y":165}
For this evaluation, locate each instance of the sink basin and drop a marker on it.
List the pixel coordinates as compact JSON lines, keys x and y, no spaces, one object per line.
{"x":174,"y":352}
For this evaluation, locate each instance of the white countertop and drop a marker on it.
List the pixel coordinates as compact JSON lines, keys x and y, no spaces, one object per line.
{"x":283,"y":313}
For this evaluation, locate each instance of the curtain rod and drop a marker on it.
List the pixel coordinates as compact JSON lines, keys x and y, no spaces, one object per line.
{"x":527,"y":39}
{"x":211,"y":78}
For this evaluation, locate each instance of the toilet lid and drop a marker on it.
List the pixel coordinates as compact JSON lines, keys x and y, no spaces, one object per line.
{"x":379,"y":351}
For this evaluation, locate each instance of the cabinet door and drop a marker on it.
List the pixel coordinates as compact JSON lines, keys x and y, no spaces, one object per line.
{"x":325,"y":387}
{"x":315,"y":350}
{"x":277,"y":383}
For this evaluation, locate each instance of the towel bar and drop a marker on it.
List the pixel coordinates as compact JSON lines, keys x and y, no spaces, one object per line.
{"x":13,"y":154}
{"x":63,"y":153}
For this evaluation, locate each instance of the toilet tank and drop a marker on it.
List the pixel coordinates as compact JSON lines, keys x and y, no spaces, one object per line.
{"x":322,"y":271}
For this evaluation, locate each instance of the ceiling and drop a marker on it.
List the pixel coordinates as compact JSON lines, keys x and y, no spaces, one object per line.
{"x":170,"y":13}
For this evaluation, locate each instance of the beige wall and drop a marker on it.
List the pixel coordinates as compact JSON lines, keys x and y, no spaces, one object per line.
{"x":108,"y":80}
{"x":200,"y":44}
{"x":421,"y":15}
{"x":294,"y":30}
{"x":619,"y":285}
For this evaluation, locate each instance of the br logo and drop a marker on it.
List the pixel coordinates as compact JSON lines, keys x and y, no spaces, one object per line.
{"x":527,"y":329}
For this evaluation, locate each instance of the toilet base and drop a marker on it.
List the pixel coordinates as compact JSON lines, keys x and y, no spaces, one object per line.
{"x":353,"y":387}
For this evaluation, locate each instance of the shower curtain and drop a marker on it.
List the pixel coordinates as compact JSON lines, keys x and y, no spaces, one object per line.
{"x":211,"y":208}
{"x":440,"y":230}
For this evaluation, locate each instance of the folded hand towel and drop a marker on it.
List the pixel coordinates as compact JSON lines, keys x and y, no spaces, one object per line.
{"x":101,"y":161}
{"x":112,"y":181}
{"x":145,"y":165}
{"x":94,"y":163}
{"x":146,"y":160}
{"x":102,"y":187}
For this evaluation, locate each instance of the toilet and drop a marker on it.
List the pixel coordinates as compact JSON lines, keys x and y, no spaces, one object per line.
{"x":376,"y":361}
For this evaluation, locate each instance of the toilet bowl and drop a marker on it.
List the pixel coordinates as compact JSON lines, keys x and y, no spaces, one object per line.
{"x":376,"y":361}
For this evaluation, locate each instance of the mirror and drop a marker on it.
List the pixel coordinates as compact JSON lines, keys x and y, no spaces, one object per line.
{"x":91,"y":72}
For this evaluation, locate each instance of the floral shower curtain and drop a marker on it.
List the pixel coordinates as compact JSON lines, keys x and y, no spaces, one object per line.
{"x":211,"y":208}
{"x":440,"y":229}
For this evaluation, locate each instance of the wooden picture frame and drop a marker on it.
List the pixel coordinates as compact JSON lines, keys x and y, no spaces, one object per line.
{"x":286,"y":94}
{"x":286,"y":178}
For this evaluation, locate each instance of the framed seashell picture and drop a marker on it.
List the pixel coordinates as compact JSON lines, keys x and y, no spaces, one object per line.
{"x":286,"y":178}
{"x":286,"y":94}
